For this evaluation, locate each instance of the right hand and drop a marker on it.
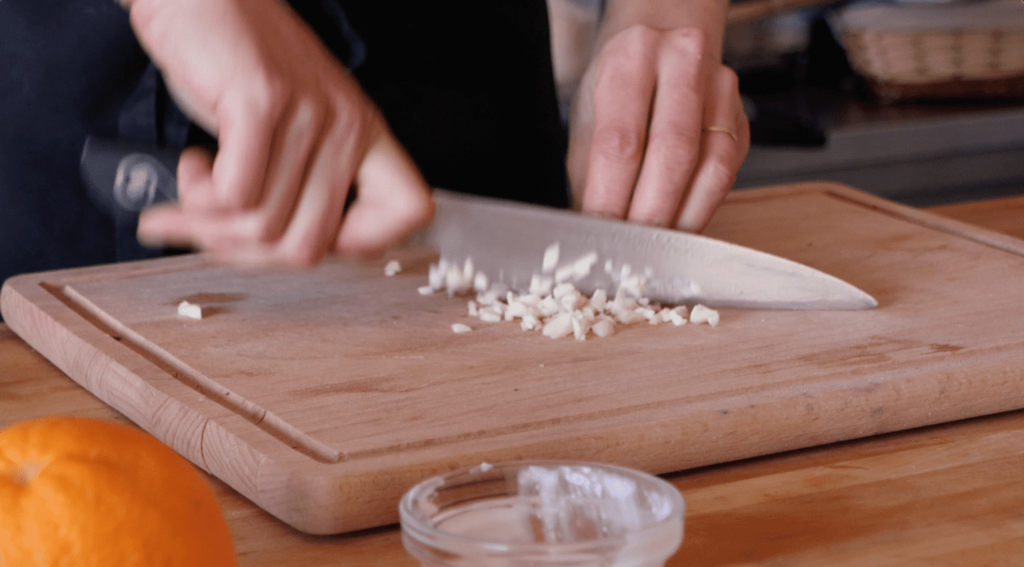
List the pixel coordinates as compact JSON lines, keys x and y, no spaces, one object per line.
{"x":295,"y":133}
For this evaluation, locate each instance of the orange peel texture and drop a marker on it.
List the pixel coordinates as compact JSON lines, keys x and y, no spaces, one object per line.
{"x":91,"y":492}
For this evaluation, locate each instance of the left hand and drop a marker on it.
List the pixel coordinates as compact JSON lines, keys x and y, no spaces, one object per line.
{"x":657,"y":130}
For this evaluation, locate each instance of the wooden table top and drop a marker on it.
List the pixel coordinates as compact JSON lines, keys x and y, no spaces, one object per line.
{"x":950,"y":494}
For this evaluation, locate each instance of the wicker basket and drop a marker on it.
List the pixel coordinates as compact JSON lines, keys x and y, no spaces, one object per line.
{"x":906,"y":56}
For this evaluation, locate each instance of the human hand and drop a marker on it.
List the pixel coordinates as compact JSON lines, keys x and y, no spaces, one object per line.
{"x":657,"y":130}
{"x":295,"y":134}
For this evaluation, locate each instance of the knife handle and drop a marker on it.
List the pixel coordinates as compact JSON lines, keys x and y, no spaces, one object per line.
{"x":122,"y":178}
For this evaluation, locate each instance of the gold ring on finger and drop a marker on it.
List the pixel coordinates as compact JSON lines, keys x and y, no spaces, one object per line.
{"x":722,"y":129}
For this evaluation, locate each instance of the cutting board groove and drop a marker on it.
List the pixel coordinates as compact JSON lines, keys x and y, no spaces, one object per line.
{"x":194,"y":379}
{"x":323,"y":395}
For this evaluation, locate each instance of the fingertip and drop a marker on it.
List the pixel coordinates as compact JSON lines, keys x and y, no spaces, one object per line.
{"x":161,"y":226}
{"x":392,"y":201}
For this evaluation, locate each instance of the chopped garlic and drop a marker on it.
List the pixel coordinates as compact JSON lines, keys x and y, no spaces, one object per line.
{"x":487,"y":298}
{"x":435,"y":277}
{"x":454,"y":282}
{"x":425,"y":290}
{"x":480,"y":282}
{"x":581,"y":268}
{"x":541,"y":285}
{"x":630,"y":316}
{"x":490,"y":314}
{"x":550,"y":258}
{"x":548,"y":306}
{"x":580,"y":326}
{"x":603,"y":327}
{"x":518,"y":309}
{"x":530,"y":299}
{"x":702,"y":314}
{"x":561,"y":290}
{"x":460,"y":328}
{"x":572,"y":300}
{"x":564,"y":274}
{"x":530,"y":322}
{"x":558,"y":326}
{"x":392,"y":268}
{"x":555,"y":306}
{"x":190,"y":310}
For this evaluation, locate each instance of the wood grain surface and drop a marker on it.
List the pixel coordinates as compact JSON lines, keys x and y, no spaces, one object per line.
{"x":322,"y":396}
{"x":942,"y":495}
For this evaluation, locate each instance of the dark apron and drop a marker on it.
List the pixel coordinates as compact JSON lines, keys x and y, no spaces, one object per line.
{"x":467,"y":87}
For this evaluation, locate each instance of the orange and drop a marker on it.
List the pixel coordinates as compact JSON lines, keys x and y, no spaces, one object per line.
{"x":84,"y":492}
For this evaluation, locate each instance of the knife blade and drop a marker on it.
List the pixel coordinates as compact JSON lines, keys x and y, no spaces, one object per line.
{"x":517,"y":244}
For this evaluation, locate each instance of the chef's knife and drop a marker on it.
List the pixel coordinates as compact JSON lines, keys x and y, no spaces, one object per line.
{"x":521,"y":245}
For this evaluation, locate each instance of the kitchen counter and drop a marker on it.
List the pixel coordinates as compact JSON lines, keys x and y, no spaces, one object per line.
{"x":949,"y":494}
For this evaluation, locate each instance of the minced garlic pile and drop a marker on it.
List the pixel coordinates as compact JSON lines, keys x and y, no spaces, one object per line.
{"x":554,"y":306}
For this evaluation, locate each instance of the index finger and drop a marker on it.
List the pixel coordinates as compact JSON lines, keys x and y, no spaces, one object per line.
{"x":392,"y":199}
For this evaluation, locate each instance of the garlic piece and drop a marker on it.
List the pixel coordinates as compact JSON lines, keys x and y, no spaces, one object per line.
{"x":702,"y":314}
{"x":630,"y":316}
{"x":480,"y":283}
{"x":604,"y":326}
{"x":490,"y":314}
{"x":425,"y":290}
{"x":530,"y":323}
{"x":190,"y":310}
{"x":541,"y":285}
{"x":581,"y":267}
{"x":435,"y":277}
{"x":558,"y":326}
{"x":548,"y":306}
{"x":580,"y":326}
{"x":392,"y":268}
{"x":550,"y":258}
{"x":460,"y":328}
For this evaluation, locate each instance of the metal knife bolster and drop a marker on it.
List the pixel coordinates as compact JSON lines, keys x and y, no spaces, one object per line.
{"x":123,"y":178}
{"x":507,"y":241}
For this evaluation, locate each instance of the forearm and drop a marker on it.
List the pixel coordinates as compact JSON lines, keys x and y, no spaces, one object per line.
{"x":707,"y":15}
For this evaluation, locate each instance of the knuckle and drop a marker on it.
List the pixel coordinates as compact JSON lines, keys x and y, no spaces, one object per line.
{"x":305,"y":252}
{"x":305,"y":256}
{"x":622,"y":52}
{"x":641,"y":35}
{"x":730,"y":80}
{"x":417,"y":213}
{"x":618,"y":143}
{"x":309,"y":112}
{"x":269,"y":95}
{"x":687,"y":39}
{"x":266,"y":229}
{"x":721,"y":177}
{"x":232,"y":196}
{"x":675,"y":147}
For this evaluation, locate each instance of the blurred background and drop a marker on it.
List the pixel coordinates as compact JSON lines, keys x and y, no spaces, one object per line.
{"x":918,"y":101}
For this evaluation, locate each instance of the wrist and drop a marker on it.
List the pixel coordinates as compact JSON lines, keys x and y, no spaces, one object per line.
{"x":706,"y":15}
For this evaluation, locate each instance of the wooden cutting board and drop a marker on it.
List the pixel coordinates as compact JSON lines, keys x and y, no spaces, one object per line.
{"x":323,"y":395}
